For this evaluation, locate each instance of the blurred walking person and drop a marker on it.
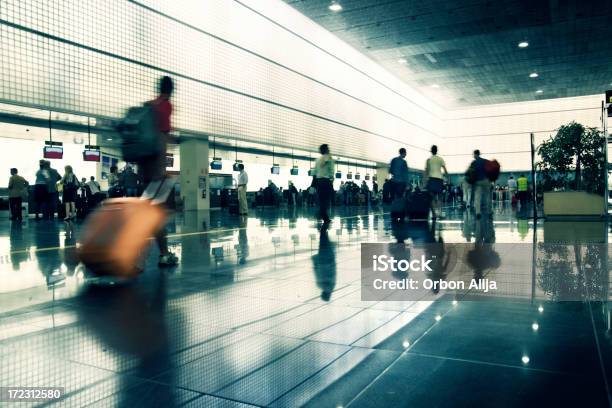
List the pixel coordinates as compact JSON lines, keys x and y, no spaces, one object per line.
{"x":71,"y":186}
{"x":17,"y":189}
{"x":153,"y":168}
{"x":324,"y":176}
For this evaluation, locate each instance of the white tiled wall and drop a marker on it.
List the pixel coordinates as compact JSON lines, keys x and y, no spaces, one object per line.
{"x":255,"y":70}
{"x":503,"y":131}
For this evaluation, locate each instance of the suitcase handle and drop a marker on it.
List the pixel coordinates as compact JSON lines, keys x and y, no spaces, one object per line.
{"x":158,"y":190}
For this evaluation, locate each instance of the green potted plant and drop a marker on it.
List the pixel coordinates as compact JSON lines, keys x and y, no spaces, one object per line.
{"x":572,"y":170}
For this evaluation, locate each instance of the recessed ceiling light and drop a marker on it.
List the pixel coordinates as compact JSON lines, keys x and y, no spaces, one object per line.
{"x":533,"y":75}
{"x":435,"y":86}
{"x":523,"y":44}
{"x":110,"y":139}
{"x":335,"y":7}
{"x":402,"y":61}
{"x":539,"y":91}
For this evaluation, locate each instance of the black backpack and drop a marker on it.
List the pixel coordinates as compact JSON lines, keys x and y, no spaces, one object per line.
{"x":140,"y":134}
{"x":470,"y":174}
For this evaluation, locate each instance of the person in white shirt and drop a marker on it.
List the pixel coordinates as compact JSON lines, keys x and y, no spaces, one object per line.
{"x":93,"y":185}
{"x":324,"y":176}
{"x":435,"y":179}
{"x":512,"y":185}
{"x":243,"y":180}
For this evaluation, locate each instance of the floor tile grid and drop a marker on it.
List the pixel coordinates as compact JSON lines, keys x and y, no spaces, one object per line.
{"x":395,"y":360}
{"x":599,"y":354}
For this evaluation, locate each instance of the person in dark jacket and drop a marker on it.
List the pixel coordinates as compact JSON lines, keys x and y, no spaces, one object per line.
{"x":17,"y":189}
{"x":398,"y":168}
{"x":482,"y":186}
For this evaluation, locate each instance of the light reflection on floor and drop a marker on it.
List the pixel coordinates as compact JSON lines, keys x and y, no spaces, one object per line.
{"x":266,"y":311}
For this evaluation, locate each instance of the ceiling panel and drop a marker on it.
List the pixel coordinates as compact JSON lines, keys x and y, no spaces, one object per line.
{"x":464,"y":52}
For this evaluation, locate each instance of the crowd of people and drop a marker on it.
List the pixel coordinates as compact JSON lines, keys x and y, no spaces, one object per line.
{"x":51,"y":192}
{"x":65,"y":196}
{"x":476,"y":190}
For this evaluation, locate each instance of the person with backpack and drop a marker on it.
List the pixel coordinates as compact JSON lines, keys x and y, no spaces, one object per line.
{"x":477,"y":176}
{"x":153,"y":167}
{"x":71,"y":185}
{"x":435,"y":179}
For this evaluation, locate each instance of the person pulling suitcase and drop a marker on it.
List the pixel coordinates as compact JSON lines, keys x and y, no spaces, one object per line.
{"x":118,"y":232}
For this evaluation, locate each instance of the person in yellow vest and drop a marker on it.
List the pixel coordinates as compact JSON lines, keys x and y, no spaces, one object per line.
{"x":523,"y":187}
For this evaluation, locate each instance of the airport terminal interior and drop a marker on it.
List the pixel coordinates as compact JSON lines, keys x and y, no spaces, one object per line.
{"x":305,"y":203}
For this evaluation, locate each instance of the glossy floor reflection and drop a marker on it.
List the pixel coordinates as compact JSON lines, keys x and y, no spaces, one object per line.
{"x":267,"y":311}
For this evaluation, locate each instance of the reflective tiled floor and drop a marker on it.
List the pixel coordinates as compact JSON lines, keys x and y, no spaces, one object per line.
{"x":267,"y":311}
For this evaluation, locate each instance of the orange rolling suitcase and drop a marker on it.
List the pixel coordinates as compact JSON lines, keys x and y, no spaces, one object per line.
{"x":117,"y":234}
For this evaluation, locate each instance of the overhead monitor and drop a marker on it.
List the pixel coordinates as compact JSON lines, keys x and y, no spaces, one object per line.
{"x":338,"y":174}
{"x":216,"y":163}
{"x":275,"y":169}
{"x":53,"y":152}
{"x":91,"y":155}
{"x":294,"y":171}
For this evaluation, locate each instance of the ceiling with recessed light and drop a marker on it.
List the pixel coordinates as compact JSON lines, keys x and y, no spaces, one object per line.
{"x":466,"y":52}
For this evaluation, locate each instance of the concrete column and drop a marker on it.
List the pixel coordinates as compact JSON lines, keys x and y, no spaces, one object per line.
{"x":382,"y":173}
{"x":194,"y":175}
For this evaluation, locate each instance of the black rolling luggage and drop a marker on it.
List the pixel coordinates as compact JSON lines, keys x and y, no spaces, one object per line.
{"x":418,"y":206}
{"x":398,"y":208}
{"x":232,"y":202}
{"x":81,"y":207}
